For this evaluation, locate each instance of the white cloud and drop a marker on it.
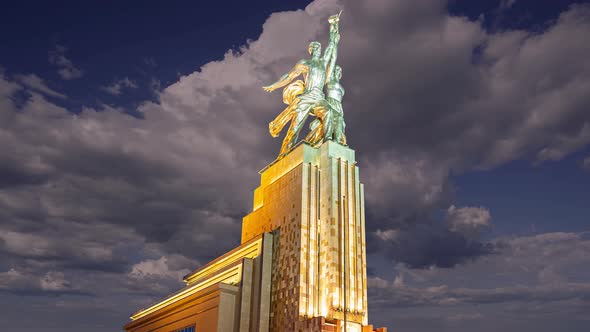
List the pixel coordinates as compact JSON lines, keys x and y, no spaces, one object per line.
{"x":66,"y":70}
{"x":116,"y":87}
{"x":157,"y":268}
{"x":37,"y":84}
{"x":387,"y":235}
{"x":26,"y":244}
{"x":54,"y":281}
{"x":27,"y":282}
{"x":7,"y":88}
{"x":468,"y":221}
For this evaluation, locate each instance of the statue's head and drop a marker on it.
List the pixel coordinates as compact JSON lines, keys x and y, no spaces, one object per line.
{"x":338,"y":72}
{"x":315,"y":49}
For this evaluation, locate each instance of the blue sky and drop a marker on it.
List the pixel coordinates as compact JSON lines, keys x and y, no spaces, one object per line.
{"x":530,"y":198}
{"x":132,"y":134}
{"x":137,"y":40}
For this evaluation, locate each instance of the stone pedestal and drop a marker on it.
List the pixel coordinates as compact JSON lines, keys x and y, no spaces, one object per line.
{"x":313,"y":199}
{"x":301,"y":265}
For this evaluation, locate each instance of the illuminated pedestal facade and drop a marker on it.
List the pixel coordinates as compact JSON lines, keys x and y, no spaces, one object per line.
{"x":302,"y":263}
{"x":315,"y":200}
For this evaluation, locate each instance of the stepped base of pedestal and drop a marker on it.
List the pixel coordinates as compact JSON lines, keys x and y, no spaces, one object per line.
{"x":320,"y":324}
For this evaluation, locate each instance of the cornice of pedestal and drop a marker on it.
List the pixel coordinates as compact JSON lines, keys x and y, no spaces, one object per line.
{"x":303,"y":152}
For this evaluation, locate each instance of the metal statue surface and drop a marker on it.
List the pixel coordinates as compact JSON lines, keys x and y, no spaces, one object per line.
{"x":304,"y":98}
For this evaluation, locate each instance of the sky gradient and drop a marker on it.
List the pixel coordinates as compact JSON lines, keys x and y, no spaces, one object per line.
{"x":132,"y":135}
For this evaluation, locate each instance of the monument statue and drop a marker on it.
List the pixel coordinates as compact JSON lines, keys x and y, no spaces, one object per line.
{"x":301,"y":264}
{"x":304,"y":98}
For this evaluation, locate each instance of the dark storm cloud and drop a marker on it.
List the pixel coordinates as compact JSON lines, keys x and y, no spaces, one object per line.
{"x":531,"y":278}
{"x":66,"y":245}
{"x":446,"y":110}
{"x":421,"y":242}
{"x":13,"y":174}
{"x":138,"y":200}
{"x":407,"y":297}
{"x":427,"y":244}
{"x":192,"y":152}
{"x":529,"y":284}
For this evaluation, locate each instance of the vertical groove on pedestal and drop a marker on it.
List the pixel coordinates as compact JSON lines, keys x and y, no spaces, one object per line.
{"x":307,"y":233}
{"x":342,"y":236}
{"x":362,"y":206}
{"x":320,"y":293}
{"x":353,"y":236}
{"x":358,"y":242}
{"x":352,"y":274}
{"x":334,"y":247}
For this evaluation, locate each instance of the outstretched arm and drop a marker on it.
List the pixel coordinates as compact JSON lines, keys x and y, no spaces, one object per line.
{"x":300,"y":68}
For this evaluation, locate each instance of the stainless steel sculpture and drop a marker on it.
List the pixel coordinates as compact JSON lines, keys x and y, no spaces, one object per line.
{"x":307,"y":97}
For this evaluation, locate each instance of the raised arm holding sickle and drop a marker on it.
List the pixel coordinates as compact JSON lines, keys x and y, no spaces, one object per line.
{"x":314,"y":72}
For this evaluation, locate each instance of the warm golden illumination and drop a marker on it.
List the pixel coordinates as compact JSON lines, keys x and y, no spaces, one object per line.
{"x":226,"y":269}
{"x":230,"y":275}
{"x":249,"y":250}
{"x":315,"y":199}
